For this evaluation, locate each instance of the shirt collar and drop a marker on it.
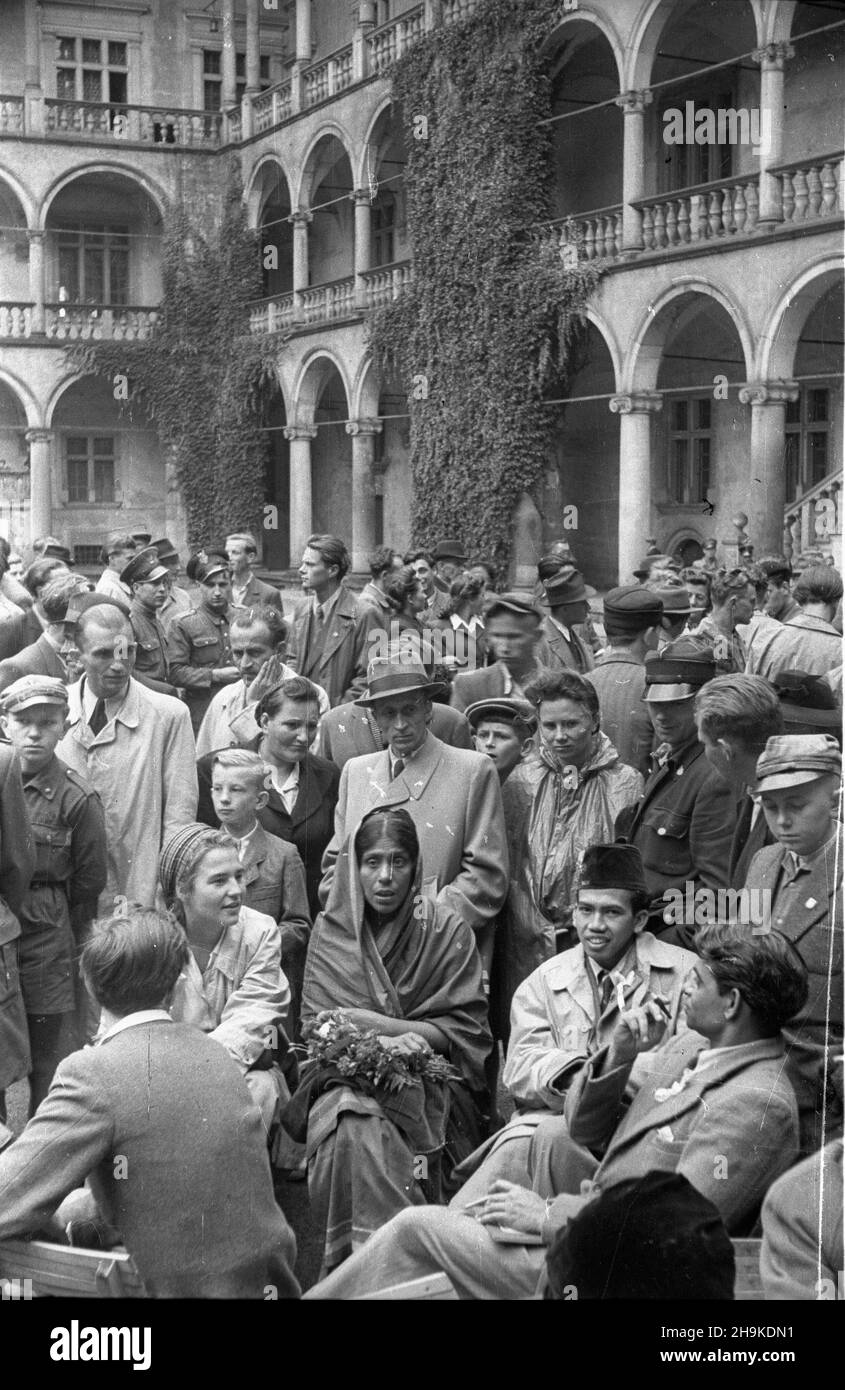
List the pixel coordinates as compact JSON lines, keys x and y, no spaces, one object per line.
{"x":709,"y":1055}
{"x":561,"y":628}
{"x":291,"y":781}
{"x":134,"y":1021}
{"x":47,"y":779}
{"x":328,"y":604}
{"x":123,"y":708}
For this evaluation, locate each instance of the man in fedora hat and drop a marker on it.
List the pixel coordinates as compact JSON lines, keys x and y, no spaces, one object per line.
{"x":513,"y":629}
{"x":799,"y":783}
{"x":448,"y":558}
{"x":178,"y":601}
{"x":677,"y":608}
{"x":684,"y":823}
{"x":451,"y":794}
{"x":568,"y":599}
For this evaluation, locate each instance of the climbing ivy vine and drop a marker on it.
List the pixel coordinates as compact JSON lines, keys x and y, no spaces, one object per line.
{"x":203,"y":379}
{"x":494,"y":317}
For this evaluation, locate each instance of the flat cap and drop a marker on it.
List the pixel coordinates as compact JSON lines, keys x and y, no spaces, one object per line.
{"x":506,"y":708}
{"x":144,"y":568}
{"x":54,"y":550}
{"x":679,"y":671}
{"x":33,"y":690}
{"x":513,"y":603}
{"x":789,"y":760}
{"x":632,"y":608}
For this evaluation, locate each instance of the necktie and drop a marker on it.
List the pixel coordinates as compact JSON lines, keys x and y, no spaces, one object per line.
{"x":605,"y":990}
{"x":321,"y":613}
{"x":99,"y":718}
{"x":398,"y":768}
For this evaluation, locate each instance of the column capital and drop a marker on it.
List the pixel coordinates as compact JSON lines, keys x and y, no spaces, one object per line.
{"x":301,"y":217}
{"x":294,"y":432}
{"x":634,"y":101}
{"x":637,"y":403}
{"x":769,"y":392}
{"x":364,"y":426}
{"x":362,"y":195}
{"x":38,"y":435}
{"x":773,"y":55}
{"x":35,"y":234}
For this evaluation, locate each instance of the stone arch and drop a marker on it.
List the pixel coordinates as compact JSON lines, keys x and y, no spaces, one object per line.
{"x":602,"y":325}
{"x":136,"y":176}
{"x":309,"y":165}
{"x":587,"y":16}
{"x":310,"y":380}
{"x":24,"y":197}
{"x":644,"y":357}
{"x":645,"y":37}
{"x":779,"y":339}
{"x":255,"y":194}
{"x":23,"y":397}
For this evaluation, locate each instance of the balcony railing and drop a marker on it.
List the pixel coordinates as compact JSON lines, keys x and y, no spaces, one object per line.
{"x":389,"y":42}
{"x":269,"y":315}
{"x":811,"y":189}
{"x":271,"y":107}
{"x":125,"y":322}
{"x":386,"y":282}
{"x":723,"y":208}
{"x":334,"y":300}
{"x":329,"y":76}
{"x":597,"y":236}
{"x":15,"y":320}
{"x":323,"y":303}
{"x":801,"y":532}
{"x":157,"y":125}
{"x":11,"y":114}
{"x":456,"y":10}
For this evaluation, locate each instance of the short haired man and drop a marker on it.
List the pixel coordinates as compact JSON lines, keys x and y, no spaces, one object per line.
{"x":632,"y":616}
{"x":372,"y":605}
{"x":193,"y":1200}
{"x":692,"y":1110}
{"x":800,"y":876}
{"x":503,"y":729}
{"x":147,"y":578}
{"x":514,"y":635}
{"x":436,"y":600}
{"x":732,"y":598}
{"x":451,"y":794}
{"x":779,"y":601}
{"x":808,"y":641}
{"x":328,"y":636}
{"x":568,"y":598}
{"x":115,"y":554}
{"x":198,"y":649}
{"x":735,"y":717}
{"x":134,"y":747}
{"x":247,"y":591}
{"x":49,"y":655}
{"x":684,"y":823}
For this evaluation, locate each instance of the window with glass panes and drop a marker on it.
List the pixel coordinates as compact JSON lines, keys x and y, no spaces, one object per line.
{"x":89,"y":467}
{"x":384,"y":228}
{"x":807,"y":440}
{"x":689,"y":448}
{"x":687,"y":166}
{"x":212,"y":77}
{"x":93,"y":264}
{"x":91,"y":70}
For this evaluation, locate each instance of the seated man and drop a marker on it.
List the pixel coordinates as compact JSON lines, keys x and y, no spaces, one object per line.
{"x":193,"y":1196}
{"x":568,"y":1008}
{"x":728,"y":1122}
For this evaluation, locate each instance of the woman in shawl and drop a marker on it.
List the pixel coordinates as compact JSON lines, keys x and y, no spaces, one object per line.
{"x":391,"y":961}
{"x":233,"y":986}
{"x":563,"y":797}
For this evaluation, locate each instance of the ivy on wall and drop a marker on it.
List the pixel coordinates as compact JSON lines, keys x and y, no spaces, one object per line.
{"x":202,"y":377}
{"x":493,"y":318}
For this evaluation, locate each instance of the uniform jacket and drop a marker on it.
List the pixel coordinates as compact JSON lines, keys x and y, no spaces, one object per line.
{"x":39,"y":659}
{"x":683,"y":826}
{"x":176,"y":603}
{"x":807,"y":911}
{"x":309,"y":825}
{"x":730,"y":1129}
{"x":274,"y":883}
{"x":554,"y":1023}
{"x":574,"y":655}
{"x":13,"y":629}
{"x":151,"y":666}
{"x":197,"y":1214}
{"x":17,"y":861}
{"x":257,"y":594}
{"x":454,"y":799}
{"x":143,"y":767}
{"x":350,"y":730}
{"x":341,"y":666}
{"x":619,"y":681}
{"x":804,"y":643}
{"x":197,"y":643}
{"x":802,"y":1230}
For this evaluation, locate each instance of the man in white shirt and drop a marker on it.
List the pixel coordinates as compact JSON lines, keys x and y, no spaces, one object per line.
{"x":247,"y":591}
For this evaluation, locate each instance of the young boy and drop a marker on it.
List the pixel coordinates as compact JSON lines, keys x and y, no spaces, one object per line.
{"x":69,"y":836}
{"x":503,"y":729}
{"x":274,"y":876}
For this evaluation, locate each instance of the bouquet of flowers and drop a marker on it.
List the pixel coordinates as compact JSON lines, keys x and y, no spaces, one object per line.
{"x":333,"y":1041}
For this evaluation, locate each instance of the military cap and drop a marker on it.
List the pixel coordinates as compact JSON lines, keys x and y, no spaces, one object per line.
{"x":806,"y":699}
{"x":679,"y":671}
{"x":141,"y":538}
{"x":145,"y":567}
{"x":674,"y":597}
{"x":504,"y":708}
{"x":789,"y":760}
{"x":567,"y":587}
{"x":449,"y":549}
{"x":166,"y":550}
{"x":631,"y":609}
{"x":213,"y":564}
{"x":54,"y":550}
{"x":33,"y":690}
{"x":612,"y":866}
{"x":513,"y":603}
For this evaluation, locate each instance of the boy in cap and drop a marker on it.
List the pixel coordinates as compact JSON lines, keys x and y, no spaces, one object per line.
{"x":69,"y":836}
{"x":503,"y":729}
{"x":198,"y":648}
{"x":632,"y":617}
{"x":147,"y":580}
{"x":799,"y":782}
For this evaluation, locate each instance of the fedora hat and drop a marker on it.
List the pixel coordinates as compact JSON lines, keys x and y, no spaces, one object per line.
{"x":398,"y":674}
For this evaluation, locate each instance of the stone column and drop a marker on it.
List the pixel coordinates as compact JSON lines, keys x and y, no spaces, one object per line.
{"x":363,"y":242}
{"x":432,"y":13}
{"x":770,"y":151}
{"x":363,"y":434}
{"x":36,"y":280}
{"x":635,"y":412}
{"x":766,"y":496}
{"x":360,"y":52}
{"x":299,"y":438}
{"x":227,"y":62}
{"x":253,"y":67}
{"x":33,"y":94}
{"x":633,"y":105}
{"x":300,"y":220}
{"x":40,"y":482}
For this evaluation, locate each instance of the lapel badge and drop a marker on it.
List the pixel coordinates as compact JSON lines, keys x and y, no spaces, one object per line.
{"x":811,"y":902}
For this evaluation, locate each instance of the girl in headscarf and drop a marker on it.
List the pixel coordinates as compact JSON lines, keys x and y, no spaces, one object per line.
{"x":233,"y":986}
{"x":392,"y":961}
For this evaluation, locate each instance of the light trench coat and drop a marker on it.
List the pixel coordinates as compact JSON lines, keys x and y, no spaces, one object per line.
{"x":143,"y":765}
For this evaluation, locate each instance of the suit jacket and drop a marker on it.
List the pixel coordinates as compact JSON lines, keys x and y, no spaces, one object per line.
{"x":730,"y":1129}
{"x":17,"y":847}
{"x":257,"y":594}
{"x":39,"y":659}
{"x":619,"y":681}
{"x":13,"y":629}
{"x":274,"y":882}
{"x":803,"y":643}
{"x":308,"y":827}
{"x":807,"y":912}
{"x":572,"y":656}
{"x":350,"y":730}
{"x":340,"y":667}
{"x":802,"y":1230}
{"x":196,"y":1211}
{"x":453,"y":797}
{"x":747,"y":840}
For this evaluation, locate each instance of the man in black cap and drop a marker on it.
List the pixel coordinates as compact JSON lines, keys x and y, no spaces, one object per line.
{"x":198,"y":649}
{"x":632,"y":623}
{"x":449,"y":559}
{"x":146,"y":577}
{"x":684,"y":824}
{"x":513,"y":629}
{"x":568,"y":599}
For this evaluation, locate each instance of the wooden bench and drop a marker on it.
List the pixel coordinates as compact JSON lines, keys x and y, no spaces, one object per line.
{"x":430,"y":1286}
{"x":748,"y":1286}
{"x":40,"y":1269}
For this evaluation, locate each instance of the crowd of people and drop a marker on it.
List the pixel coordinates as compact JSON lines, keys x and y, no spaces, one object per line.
{"x":510,"y":922}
